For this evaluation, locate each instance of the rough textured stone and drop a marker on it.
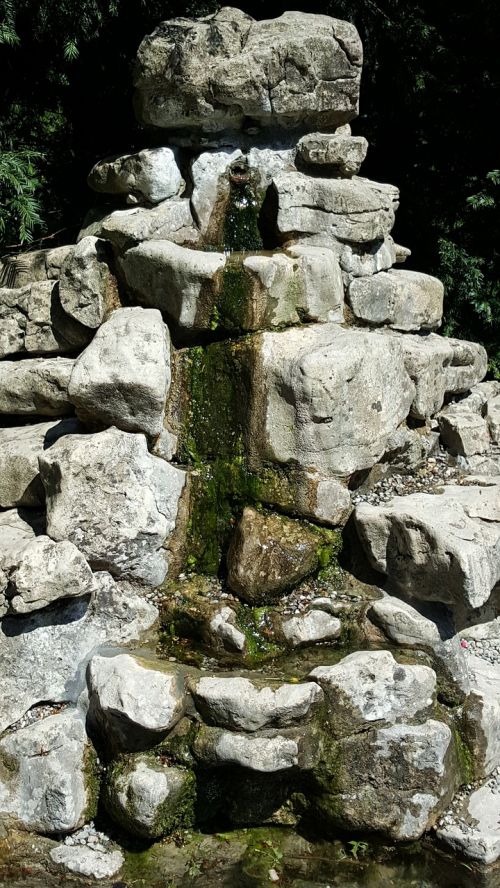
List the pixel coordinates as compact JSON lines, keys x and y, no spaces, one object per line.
{"x":473,"y":832}
{"x":212,"y":73}
{"x":353,"y":210}
{"x":57,"y":644}
{"x":268,"y":554}
{"x":493,"y":418}
{"x":33,"y":322}
{"x":37,"y":265}
{"x":45,"y":774}
{"x":371,"y":687}
{"x":482,"y":715}
{"x":311,"y":628}
{"x":15,"y":535}
{"x":169,"y":220}
{"x":151,"y":175}
{"x":237,"y":704}
{"x":223,"y":631}
{"x":123,"y":377}
{"x":87,"y":288}
{"x":395,"y":780}
{"x":345,"y":153}
{"x":404,"y":300}
{"x":35,"y":386}
{"x":84,"y":860}
{"x":360,"y":260}
{"x":46,"y":572}
{"x":133,"y":704}
{"x":214,"y":747}
{"x":442,"y":547}
{"x":463,"y":432}
{"x":211,"y":189}
{"x":20,"y":447}
{"x":84,"y":478}
{"x":327,"y":397}
{"x":148,"y":799}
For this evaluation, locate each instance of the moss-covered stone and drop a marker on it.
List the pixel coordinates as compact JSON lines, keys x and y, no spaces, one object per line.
{"x":92,"y":774}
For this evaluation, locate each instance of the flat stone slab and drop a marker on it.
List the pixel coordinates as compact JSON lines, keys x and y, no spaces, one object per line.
{"x":472,"y":829}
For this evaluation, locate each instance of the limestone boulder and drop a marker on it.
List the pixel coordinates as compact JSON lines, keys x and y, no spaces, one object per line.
{"x":85,"y":477}
{"x":443,"y":547}
{"x":312,"y":627}
{"x":147,"y":799}
{"x":269,"y":553}
{"x":149,"y":176}
{"x":344,"y":153}
{"x":395,"y":781}
{"x":46,"y":572}
{"x":33,"y":322}
{"x":133,"y":705}
{"x":223,"y":632}
{"x":471,"y":830}
{"x":15,"y":536}
{"x":493,"y":418}
{"x":327,"y":398}
{"x":361,"y":260}
{"x":47,"y":775}
{"x":169,"y":220}
{"x":211,"y":74}
{"x":87,"y":287}
{"x":370,"y":688}
{"x":35,"y":387}
{"x":238,"y":704}
{"x":123,"y":377}
{"x":347,"y":210}
{"x":214,"y":748}
{"x":58,"y":643}
{"x":481,"y":718}
{"x":20,"y":447}
{"x":37,"y":265}
{"x":404,"y":300}
{"x":463,"y":432}
{"x":86,"y":860}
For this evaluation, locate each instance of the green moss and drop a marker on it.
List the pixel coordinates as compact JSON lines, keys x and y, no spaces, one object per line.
{"x":92,"y":772}
{"x":241,"y":225}
{"x":235,"y":297}
{"x":465,"y":757}
{"x":260,"y":644}
{"x":180,"y":815}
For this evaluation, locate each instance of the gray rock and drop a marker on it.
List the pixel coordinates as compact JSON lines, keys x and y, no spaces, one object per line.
{"x":214,"y":747}
{"x":269,"y":553}
{"x":395,"y":781}
{"x":298,"y":70}
{"x":87,"y":288}
{"x":473,"y":830}
{"x":169,"y":220}
{"x":47,"y":778}
{"x":237,"y":704}
{"x":360,"y":260}
{"x":84,"y":478}
{"x":404,"y":300}
{"x":353,"y":210}
{"x":211,"y":189}
{"x":463,"y":432}
{"x":57,"y":644}
{"x":133,"y":704}
{"x":84,"y":860}
{"x":20,"y":447}
{"x":37,"y":265}
{"x":46,"y":572}
{"x":148,"y":799}
{"x":410,"y":448}
{"x":311,"y":628}
{"x":493,"y":418}
{"x":35,"y":386}
{"x":370,"y":688}
{"x":481,"y":715}
{"x":223,"y":631}
{"x":15,"y":535}
{"x":33,"y":322}
{"x":327,"y":397}
{"x":123,"y":377}
{"x":151,"y":175}
{"x":345,"y":153}
{"x":441,"y":547}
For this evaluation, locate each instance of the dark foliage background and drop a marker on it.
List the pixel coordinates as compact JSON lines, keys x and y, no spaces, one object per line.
{"x":430,"y":99}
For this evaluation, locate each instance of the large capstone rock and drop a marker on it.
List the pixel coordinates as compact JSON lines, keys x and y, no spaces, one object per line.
{"x":32,"y":321}
{"x":214,"y":73}
{"x":20,"y":447}
{"x":85,"y":477}
{"x":46,"y":572}
{"x":443,"y":547}
{"x":354,"y":210}
{"x":238,"y":704}
{"x":439,"y":367}
{"x":327,"y":397}
{"x":87,"y":288}
{"x":370,"y":687}
{"x":344,"y":154}
{"x":169,"y":220}
{"x":57,"y":643}
{"x":150,"y":176}
{"x":123,"y":377}
{"x":395,"y":780}
{"x":47,"y":775}
{"x":404,"y":300}
{"x":149,"y":799}
{"x":270,"y":553}
{"x":133,"y":705}
{"x":35,"y":386}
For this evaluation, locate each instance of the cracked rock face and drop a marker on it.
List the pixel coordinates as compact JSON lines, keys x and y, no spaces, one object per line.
{"x":211,"y":74}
